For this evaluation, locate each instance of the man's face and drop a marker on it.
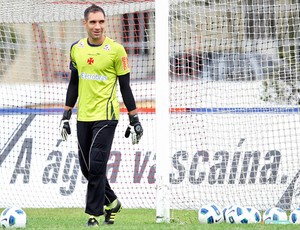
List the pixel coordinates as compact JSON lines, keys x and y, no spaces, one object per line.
{"x":95,"y":26}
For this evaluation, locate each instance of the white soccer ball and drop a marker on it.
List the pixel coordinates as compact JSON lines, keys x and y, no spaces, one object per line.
{"x":210,"y":214}
{"x":13,"y":218}
{"x":295,"y":216}
{"x":275,"y":213}
{"x":237,"y":215}
{"x":254,"y":215}
{"x":225,"y":211}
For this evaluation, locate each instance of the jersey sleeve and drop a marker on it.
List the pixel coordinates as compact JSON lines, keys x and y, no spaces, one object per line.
{"x":73,"y":65}
{"x":121,"y":62}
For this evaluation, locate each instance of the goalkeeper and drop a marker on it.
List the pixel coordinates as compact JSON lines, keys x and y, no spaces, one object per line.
{"x":97,"y":64}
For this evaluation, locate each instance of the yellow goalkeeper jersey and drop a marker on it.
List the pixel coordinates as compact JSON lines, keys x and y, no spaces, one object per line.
{"x":98,"y":68}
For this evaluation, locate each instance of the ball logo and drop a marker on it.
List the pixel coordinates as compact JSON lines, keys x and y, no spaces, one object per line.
{"x":217,"y":220}
{"x":90,"y":61}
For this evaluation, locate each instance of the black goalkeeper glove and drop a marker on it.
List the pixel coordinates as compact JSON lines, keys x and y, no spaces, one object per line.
{"x":135,"y":129}
{"x":65,"y":128}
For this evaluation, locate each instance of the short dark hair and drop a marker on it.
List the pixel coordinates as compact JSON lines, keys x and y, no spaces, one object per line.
{"x":92,"y":9}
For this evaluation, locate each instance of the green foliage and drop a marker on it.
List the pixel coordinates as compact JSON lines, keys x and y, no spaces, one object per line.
{"x":288,"y":54}
{"x":280,"y":92}
{"x":8,"y":40}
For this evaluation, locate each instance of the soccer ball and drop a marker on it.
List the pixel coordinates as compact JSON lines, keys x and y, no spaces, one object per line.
{"x":254,"y":215}
{"x":209,"y":214}
{"x":225,"y":211}
{"x":295,"y":216}
{"x":13,"y":218}
{"x":275,"y":213}
{"x":237,"y":215}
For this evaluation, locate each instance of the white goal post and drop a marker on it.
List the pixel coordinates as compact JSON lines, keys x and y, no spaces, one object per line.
{"x":217,"y":87}
{"x":162,"y":110}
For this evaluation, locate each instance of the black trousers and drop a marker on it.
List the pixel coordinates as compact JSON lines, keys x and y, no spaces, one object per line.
{"x":94,"y":145}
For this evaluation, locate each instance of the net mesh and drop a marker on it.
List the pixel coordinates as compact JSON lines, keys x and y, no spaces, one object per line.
{"x":37,"y":169}
{"x":234,"y":82}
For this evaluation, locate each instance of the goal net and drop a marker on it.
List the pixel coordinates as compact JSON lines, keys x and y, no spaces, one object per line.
{"x":234,"y":85}
{"x":37,"y":169}
{"x":234,"y":98}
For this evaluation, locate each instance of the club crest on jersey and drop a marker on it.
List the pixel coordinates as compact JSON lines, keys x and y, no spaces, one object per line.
{"x":81,"y":44}
{"x":90,"y":60}
{"x":106,"y":47}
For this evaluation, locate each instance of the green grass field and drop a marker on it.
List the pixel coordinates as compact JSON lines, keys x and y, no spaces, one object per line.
{"x":75,"y":218}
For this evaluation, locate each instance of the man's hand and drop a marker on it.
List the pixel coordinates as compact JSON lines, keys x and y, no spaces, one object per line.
{"x":134,"y":128}
{"x":65,"y":128}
